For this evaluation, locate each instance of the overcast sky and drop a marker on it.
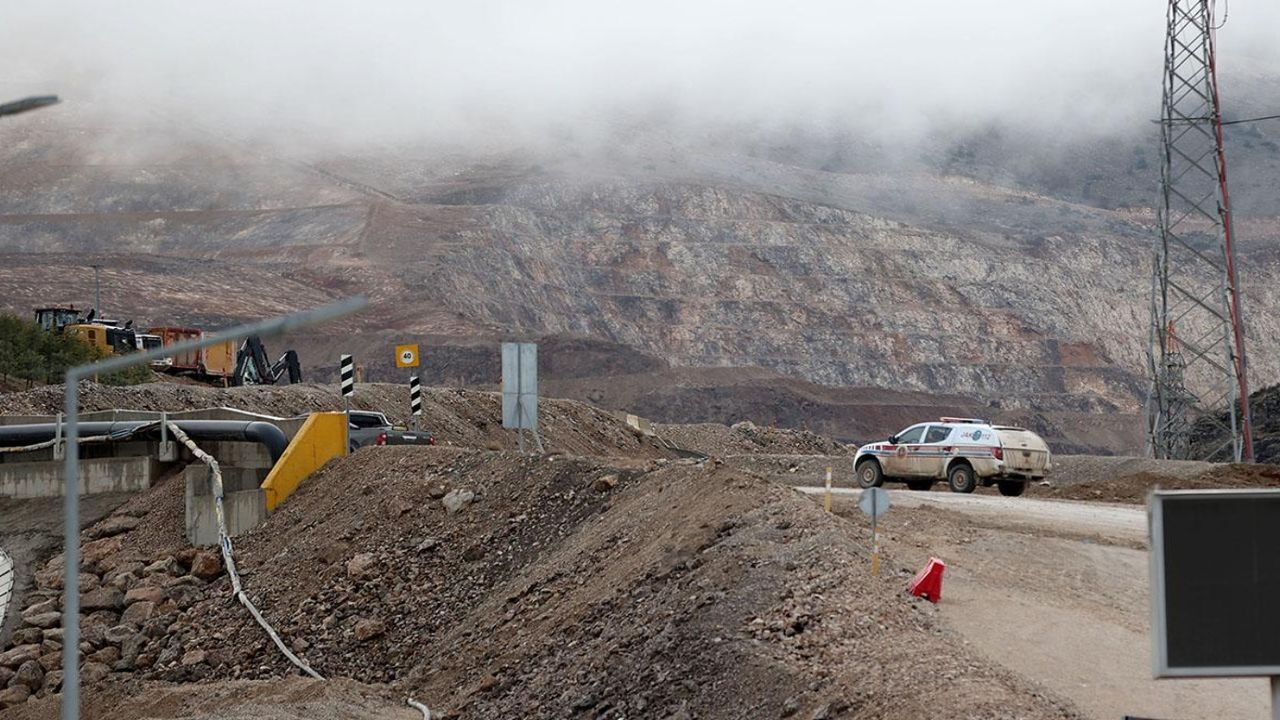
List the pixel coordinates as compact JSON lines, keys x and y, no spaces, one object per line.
{"x":400,"y":69}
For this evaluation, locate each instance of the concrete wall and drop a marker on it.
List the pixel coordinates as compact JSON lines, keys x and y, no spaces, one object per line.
{"x":244,"y":504}
{"x":100,"y":475}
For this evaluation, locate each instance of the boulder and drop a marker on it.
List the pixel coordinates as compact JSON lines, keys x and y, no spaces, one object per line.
{"x":30,"y":674}
{"x":194,"y":657}
{"x":605,"y":483}
{"x":6,"y":675}
{"x":368,"y":629}
{"x":15,"y":695}
{"x":138,"y":613}
{"x":206,"y":565}
{"x":144,"y":593}
{"x":43,"y":606}
{"x":163,"y":566}
{"x":53,"y":681}
{"x":186,"y":556}
{"x":44,"y":620}
{"x":104,"y":598}
{"x":456,"y":500}
{"x":100,"y":555}
{"x":15,"y":657}
{"x":107,"y":656}
{"x":27,"y":636}
{"x":51,"y":661}
{"x":94,"y":633}
{"x":361,"y":566}
{"x":94,"y":672}
{"x":117,"y":634}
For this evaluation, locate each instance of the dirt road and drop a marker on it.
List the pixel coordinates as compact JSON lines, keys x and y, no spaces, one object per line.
{"x":1056,"y":592}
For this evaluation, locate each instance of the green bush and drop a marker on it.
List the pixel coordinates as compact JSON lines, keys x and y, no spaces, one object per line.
{"x":32,"y":354}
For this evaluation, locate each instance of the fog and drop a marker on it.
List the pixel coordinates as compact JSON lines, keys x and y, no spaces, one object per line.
{"x":394,"y":70}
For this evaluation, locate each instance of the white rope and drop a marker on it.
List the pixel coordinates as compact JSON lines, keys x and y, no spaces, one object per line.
{"x":426,"y":712}
{"x":224,"y":542}
{"x":6,"y":584}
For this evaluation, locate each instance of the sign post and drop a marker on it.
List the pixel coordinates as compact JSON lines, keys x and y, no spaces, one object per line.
{"x":1215,"y":576}
{"x":415,"y":399}
{"x":874,"y":502}
{"x":347,"y":374}
{"x":407,"y":357}
{"x":826,"y":500}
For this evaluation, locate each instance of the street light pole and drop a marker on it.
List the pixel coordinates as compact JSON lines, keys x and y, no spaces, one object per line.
{"x":97,"y":293}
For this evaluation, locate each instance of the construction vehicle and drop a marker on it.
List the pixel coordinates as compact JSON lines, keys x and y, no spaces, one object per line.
{"x":229,"y":363}
{"x":54,"y":319}
{"x":109,"y":339}
{"x":253,"y":366}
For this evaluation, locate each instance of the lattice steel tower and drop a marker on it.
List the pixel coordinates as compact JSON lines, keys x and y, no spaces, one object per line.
{"x":1199,"y":389}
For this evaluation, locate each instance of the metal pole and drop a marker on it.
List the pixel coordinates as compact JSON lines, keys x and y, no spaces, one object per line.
{"x":70,"y":709}
{"x":97,"y":293}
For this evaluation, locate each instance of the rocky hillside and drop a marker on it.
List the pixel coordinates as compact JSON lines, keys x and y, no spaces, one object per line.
{"x":1007,"y":300}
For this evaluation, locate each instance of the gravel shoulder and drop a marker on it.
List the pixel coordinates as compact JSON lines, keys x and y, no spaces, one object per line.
{"x":1056,"y":592}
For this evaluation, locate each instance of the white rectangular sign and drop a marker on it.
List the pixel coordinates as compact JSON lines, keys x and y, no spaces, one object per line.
{"x":520,"y":386}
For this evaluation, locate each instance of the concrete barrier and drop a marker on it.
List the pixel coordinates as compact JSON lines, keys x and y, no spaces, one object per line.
{"x":97,"y":475}
{"x":322,"y":437}
{"x":243,"y":502}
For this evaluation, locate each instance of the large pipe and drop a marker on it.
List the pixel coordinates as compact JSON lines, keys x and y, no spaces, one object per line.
{"x":268,"y":435}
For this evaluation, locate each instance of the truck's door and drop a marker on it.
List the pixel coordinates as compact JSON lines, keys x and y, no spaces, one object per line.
{"x":899,"y":463}
{"x":930,"y":457}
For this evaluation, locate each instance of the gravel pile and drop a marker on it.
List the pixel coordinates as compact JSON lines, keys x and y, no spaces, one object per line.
{"x":494,"y":585}
{"x":747,"y":438}
{"x":456,"y":416}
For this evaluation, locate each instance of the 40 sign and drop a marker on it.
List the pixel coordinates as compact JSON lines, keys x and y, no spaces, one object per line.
{"x":407,"y":356}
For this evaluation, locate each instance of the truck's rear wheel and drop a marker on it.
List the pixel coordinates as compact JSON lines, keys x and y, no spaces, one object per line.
{"x":960,"y":478}
{"x":869,"y":474}
{"x":1011,"y":488}
{"x":919,"y":484}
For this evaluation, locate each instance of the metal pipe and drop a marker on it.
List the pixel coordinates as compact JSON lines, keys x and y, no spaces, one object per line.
{"x":264,"y":433}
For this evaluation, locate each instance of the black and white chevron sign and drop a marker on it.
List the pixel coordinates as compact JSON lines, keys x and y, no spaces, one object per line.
{"x":415,"y":395}
{"x":348,"y":369}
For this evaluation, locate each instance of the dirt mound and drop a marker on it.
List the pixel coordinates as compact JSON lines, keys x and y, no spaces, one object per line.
{"x":1135,"y":486}
{"x":493,"y":585}
{"x":747,"y":438}
{"x":470,"y":418}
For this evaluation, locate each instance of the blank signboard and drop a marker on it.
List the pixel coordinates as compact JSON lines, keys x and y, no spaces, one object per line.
{"x":1215,"y":582}
{"x":520,"y":386}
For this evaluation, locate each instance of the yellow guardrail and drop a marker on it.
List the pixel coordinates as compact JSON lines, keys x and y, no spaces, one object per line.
{"x":322,"y":438}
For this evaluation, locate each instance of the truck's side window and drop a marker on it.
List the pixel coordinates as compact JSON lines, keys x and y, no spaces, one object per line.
{"x":911,"y":435}
{"x":937,"y":434}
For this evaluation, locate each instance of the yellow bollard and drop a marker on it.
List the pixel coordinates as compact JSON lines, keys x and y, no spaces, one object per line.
{"x":826,"y":502}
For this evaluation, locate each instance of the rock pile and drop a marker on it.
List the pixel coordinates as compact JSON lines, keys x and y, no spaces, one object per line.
{"x":132,"y":614}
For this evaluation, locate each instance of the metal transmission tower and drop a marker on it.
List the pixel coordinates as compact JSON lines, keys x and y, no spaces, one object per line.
{"x":1199,"y":389}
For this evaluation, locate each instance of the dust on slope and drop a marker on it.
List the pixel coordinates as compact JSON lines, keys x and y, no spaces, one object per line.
{"x":574,"y":586}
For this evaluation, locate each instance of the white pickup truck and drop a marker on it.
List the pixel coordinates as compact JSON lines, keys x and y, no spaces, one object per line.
{"x":961,"y":451}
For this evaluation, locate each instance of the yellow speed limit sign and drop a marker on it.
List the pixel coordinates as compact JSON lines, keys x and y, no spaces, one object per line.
{"x":406,"y":356}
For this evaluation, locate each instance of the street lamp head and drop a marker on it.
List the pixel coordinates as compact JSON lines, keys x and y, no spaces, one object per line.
{"x":25,"y":104}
